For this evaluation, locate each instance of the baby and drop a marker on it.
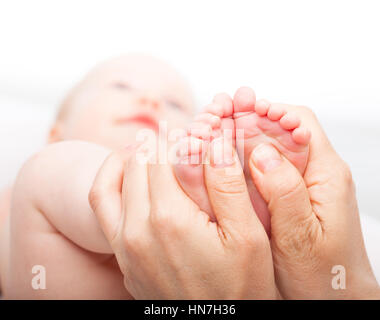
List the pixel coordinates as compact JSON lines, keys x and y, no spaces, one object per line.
{"x":52,"y":231}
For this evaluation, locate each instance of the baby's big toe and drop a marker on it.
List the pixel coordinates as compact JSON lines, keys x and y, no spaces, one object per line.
{"x":301,"y":135}
{"x":244,"y":100}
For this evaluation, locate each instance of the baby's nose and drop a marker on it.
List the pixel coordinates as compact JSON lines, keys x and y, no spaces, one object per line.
{"x":149,"y":102}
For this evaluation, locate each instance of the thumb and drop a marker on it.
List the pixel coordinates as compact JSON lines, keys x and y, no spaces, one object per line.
{"x":227,"y":191}
{"x":105,"y":194}
{"x":284,"y":189}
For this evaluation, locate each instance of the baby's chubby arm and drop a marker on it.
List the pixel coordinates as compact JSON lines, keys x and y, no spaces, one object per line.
{"x":56,"y":182}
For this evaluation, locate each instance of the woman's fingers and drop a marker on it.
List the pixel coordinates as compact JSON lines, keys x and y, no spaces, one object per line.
{"x":228,"y":192}
{"x":136,"y":202}
{"x":283,"y":188}
{"x":105,"y":194}
{"x":167,"y":197}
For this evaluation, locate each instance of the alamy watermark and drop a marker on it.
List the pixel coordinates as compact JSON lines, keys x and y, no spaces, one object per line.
{"x":338,"y":282}
{"x":39,"y":278}
{"x":176,"y":146}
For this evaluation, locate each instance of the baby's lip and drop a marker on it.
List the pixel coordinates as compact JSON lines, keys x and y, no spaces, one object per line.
{"x":145,"y":120}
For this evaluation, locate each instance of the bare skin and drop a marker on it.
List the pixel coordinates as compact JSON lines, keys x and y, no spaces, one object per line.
{"x":58,"y":229}
{"x":249,"y":123}
{"x":5,"y":201}
{"x":315,"y":226}
{"x":315,"y":220}
{"x":146,"y":227}
{"x":51,"y":223}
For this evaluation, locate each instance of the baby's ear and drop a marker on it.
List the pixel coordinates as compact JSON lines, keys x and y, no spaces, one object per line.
{"x":56,"y":132}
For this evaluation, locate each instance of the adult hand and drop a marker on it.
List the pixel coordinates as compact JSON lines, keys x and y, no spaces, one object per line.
{"x":167,"y":248}
{"x":314,"y":221}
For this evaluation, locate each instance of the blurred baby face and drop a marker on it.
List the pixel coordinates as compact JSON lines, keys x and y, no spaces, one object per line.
{"x":123,"y":96}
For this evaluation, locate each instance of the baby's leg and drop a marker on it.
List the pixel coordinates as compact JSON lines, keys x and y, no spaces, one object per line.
{"x":53,"y":226}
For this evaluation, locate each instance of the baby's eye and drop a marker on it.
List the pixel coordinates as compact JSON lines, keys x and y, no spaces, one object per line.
{"x":121,"y":85}
{"x":174,"y":104}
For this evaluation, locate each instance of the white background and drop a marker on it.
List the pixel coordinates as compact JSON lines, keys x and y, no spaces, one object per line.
{"x":324,"y":54}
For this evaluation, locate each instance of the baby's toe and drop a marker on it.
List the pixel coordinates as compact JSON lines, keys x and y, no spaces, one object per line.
{"x":275,"y":112}
{"x":244,"y":100}
{"x":301,"y":135}
{"x":262,"y":106}
{"x":290,"y":121}
{"x":200,"y":130}
{"x":208,"y":118}
{"x":216,"y":109}
{"x":189,"y":150}
{"x":225,"y":101}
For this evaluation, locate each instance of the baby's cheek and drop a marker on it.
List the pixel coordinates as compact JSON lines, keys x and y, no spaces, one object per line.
{"x":178,"y":120}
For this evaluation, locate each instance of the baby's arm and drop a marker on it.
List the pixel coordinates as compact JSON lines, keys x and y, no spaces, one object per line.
{"x":56,"y":182}
{"x":52,"y":225}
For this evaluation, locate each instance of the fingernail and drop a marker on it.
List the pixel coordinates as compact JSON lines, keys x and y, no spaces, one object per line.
{"x":221,"y":153}
{"x":266,"y":157}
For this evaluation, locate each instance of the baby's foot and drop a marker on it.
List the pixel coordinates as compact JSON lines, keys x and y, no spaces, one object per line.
{"x":251,"y":124}
{"x":210,"y":124}
{"x":260,"y":122}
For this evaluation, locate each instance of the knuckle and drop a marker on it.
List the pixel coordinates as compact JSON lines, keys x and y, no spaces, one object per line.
{"x":164,"y":222}
{"x":178,"y":226}
{"x":253,"y":247}
{"x":258,"y":242}
{"x":251,"y":241}
{"x":288,"y":189}
{"x":230,"y":184}
{"x":133,"y":241}
{"x":241,"y":241}
{"x":159,"y":218}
